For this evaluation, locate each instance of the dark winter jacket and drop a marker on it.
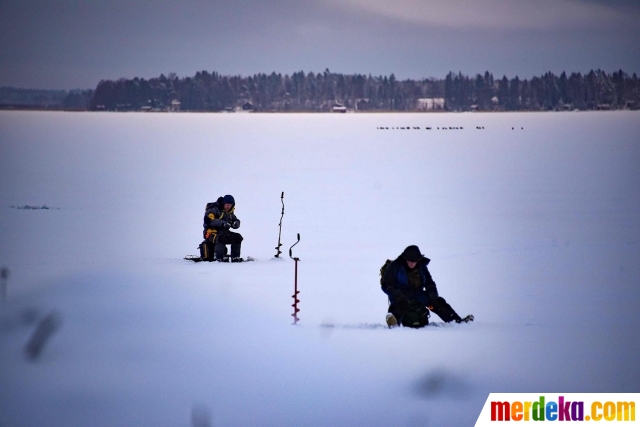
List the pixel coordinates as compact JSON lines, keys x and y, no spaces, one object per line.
{"x":399,"y":281}
{"x":215,"y":218}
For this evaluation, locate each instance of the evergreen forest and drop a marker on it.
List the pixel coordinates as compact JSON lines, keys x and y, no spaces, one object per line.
{"x":324,"y":91}
{"x":328,"y":91}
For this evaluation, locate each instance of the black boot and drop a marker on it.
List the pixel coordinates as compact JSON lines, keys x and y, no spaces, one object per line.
{"x":467,"y":319}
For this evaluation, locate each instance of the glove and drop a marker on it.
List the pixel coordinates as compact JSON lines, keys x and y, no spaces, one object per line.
{"x":236,"y":224}
{"x":226,"y":225}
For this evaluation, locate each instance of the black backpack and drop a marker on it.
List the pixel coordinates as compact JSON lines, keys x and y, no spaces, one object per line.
{"x":383,"y":269}
{"x":206,"y":247}
{"x":206,"y":250}
{"x":416,"y":317}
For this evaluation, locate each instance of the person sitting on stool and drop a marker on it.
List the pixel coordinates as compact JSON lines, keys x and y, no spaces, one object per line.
{"x":219,"y":218}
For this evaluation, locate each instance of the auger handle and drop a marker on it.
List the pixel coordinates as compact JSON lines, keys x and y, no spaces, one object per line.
{"x":290,"y":249}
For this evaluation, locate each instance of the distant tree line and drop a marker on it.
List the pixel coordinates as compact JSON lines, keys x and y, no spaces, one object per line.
{"x":328,"y":91}
{"x":13,"y":98}
{"x":322,"y":91}
{"x":265,"y":92}
{"x":592,"y":91}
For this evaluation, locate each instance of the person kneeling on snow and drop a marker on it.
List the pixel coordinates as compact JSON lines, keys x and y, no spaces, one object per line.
{"x":412,"y":292}
{"x":219,"y":217}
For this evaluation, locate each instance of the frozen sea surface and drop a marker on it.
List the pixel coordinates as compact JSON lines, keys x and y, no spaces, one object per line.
{"x":532,"y":223}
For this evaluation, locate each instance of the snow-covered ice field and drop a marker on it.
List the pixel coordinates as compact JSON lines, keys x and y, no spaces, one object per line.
{"x":532,"y":224}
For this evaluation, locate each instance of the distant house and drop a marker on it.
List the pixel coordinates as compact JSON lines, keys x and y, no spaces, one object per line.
{"x":430,"y":104}
{"x":339,"y":108}
{"x":247,"y":106}
{"x":175,"y":105}
{"x":363,"y":104}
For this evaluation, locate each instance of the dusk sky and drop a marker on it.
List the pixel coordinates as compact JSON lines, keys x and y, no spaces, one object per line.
{"x":68,"y":44}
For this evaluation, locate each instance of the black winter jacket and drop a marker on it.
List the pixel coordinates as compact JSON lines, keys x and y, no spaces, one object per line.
{"x":396,"y":284}
{"x":215,"y":218}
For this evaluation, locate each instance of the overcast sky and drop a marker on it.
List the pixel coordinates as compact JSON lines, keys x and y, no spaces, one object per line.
{"x":67,"y":44}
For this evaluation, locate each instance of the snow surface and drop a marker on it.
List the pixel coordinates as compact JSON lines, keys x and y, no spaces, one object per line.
{"x":532,"y":224}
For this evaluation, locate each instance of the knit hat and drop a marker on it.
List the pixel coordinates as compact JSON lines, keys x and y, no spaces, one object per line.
{"x":412,"y":254}
{"x":229,"y":199}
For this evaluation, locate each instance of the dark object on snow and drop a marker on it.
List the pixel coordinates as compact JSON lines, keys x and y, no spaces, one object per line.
{"x":206,"y":250}
{"x":414,"y":314}
{"x":412,"y":291}
{"x":43,"y":332}
{"x":196,"y":258}
{"x":31,"y":208}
